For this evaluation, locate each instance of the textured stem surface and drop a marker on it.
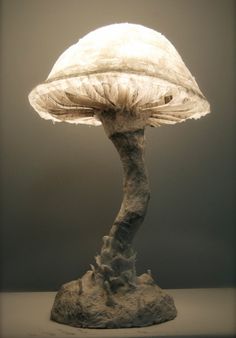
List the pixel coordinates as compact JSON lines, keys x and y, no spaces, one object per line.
{"x":111,"y":295}
{"x":117,"y":259}
{"x":130,"y":146}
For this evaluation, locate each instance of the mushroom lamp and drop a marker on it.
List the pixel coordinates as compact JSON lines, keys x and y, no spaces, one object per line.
{"x":124,"y":77}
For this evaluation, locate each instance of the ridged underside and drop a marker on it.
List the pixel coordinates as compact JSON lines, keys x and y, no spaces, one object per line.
{"x":122,"y":67}
{"x":81,"y":98}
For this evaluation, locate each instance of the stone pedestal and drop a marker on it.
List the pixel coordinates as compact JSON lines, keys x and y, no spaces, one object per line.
{"x":88,"y":303}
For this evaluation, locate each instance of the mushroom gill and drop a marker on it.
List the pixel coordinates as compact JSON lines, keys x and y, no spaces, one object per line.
{"x":124,"y":77}
{"x":124,"y":67}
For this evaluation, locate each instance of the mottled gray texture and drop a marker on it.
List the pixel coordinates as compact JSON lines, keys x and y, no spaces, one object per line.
{"x":48,"y":172}
{"x":86,"y":303}
{"x":111,"y":295}
{"x":116,"y":263}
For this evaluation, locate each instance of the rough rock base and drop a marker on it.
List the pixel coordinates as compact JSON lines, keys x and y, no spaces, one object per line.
{"x":89,"y":304}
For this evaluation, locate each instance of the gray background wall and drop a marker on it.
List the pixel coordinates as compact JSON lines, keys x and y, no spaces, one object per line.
{"x":61,"y":185}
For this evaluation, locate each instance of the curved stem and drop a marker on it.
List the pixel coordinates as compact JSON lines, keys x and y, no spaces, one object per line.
{"x":130,"y":146}
{"x":116,"y":262}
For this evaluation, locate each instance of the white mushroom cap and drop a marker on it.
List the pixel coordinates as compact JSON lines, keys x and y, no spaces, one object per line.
{"x":122,"y":67}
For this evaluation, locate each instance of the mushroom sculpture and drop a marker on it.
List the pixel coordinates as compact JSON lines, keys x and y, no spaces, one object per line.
{"x":124,"y":77}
